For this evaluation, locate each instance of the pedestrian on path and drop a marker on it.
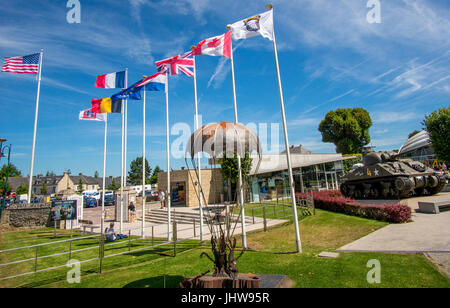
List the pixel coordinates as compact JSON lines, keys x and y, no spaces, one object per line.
{"x":162,"y":198}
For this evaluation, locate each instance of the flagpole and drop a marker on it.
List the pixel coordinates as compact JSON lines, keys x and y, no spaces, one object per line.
{"x":241,"y":193}
{"x":168,"y":159}
{"x":288,"y":154}
{"x":143,"y":166}
{"x":30,"y":182}
{"x":126,"y":132}
{"x":121,"y":166}
{"x":200,"y":200}
{"x":104,"y":175}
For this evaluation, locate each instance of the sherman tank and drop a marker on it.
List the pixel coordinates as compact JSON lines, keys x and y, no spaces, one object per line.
{"x":383,"y":175}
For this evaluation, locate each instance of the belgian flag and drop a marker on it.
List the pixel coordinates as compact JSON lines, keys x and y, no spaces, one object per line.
{"x":107,"y":105}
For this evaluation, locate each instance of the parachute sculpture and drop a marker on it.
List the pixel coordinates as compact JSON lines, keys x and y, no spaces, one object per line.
{"x":218,"y":140}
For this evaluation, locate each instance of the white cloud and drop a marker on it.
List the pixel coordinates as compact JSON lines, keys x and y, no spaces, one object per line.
{"x":387,"y":117}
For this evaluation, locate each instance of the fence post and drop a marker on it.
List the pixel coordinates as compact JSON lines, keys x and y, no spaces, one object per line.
{"x":129,"y":240}
{"x":70,"y":243}
{"x":195,"y":235}
{"x":153,"y":235}
{"x":274,"y":211}
{"x":101,"y":253}
{"x":284,"y":211}
{"x":265,"y":218}
{"x":174,"y":238}
{"x":36,"y":260}
{"x":253,"y":215}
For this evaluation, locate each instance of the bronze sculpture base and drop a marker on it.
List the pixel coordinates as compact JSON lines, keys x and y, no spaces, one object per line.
{"x":243,"y":281}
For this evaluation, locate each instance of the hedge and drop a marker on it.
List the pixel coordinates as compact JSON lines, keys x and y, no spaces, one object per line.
{"x":333,"y":201}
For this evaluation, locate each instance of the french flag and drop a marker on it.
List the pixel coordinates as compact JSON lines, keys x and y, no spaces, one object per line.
{"x":155,"y":82}
{"x":111,"y":81}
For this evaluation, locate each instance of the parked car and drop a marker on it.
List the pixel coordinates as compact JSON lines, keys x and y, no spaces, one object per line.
{"x":109,"y":200}
{"x":89,"y":202}
{"x":152,"y":194}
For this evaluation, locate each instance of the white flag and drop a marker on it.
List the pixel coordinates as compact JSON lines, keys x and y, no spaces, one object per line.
{"x":261,"y":24}
{"x":92,"y":116}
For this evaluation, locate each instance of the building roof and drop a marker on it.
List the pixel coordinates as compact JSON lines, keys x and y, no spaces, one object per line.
{"x":16,"y":182}
{"x":416,"y":142}
{"x":278,"y":162}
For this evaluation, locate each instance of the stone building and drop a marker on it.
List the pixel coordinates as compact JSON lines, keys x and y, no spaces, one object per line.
{"x":61,"y":183}
{"x":184,"y":186}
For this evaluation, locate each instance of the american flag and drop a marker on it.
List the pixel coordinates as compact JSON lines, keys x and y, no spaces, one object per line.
{"x":22,"y":65}
{"x":184,"y":63}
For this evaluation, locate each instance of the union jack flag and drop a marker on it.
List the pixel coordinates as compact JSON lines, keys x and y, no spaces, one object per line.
{"x":184,"y":63}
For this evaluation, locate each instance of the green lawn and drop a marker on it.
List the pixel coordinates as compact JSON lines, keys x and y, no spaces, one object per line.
{"x":270,"y":252}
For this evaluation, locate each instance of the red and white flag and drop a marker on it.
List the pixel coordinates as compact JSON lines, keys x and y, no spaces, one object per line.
{"x":89,"y":115}
{"x":215,"y":46}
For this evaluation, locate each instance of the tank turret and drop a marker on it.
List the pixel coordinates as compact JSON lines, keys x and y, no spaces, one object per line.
{"x":384,"y":175}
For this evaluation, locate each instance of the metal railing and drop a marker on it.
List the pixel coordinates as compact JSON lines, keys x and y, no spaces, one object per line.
{"x":101,"y":247}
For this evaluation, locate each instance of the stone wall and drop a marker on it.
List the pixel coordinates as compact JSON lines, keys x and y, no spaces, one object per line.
{"x":27,"y":216}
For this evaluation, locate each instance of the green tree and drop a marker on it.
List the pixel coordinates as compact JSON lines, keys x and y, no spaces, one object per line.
{"x":229,"y":167}
{"x":96,"y":174}
{"x":13,"y":171}
{"x":348,"y":164}
{"x":44,"y":189}
{"x":80,"y":187}
{"x":437,"y":125}
{"x":50,"y":173}
{"x":412,"y":134}
{"x":135,"y":173}
{"x":22,"y":190}
{"x":154,"y":177}
{"x":114,"y":185}
{"x":347,"y":128}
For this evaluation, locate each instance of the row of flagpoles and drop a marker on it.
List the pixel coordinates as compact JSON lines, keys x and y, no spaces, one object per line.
{"x":221,"y":45}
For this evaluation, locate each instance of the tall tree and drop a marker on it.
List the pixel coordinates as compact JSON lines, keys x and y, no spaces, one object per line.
{"x":80,"y":187}
{"x":13,"y":171}
{"x":229,"y":167}
{"x":154,"y":178}
{"x":114,"y":185}
{"x":50,"y":173}
{"x":96,"y":174}
{"x":44,"y":190}
{"x":437,"y":125}
{"x":135,"y":173}
{"x":347,"y":128}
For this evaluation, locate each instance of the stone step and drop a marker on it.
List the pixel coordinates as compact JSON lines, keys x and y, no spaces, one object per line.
{"x":160,"y":216}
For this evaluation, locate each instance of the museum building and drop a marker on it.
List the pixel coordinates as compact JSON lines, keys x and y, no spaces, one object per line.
{"x":268,"y":178}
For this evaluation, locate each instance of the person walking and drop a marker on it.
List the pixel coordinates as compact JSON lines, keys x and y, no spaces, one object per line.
{"x":162,"y":198}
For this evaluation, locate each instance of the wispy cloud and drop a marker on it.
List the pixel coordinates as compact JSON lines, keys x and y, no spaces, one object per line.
{"x":329,"y":101}
{"x":387,"y":117}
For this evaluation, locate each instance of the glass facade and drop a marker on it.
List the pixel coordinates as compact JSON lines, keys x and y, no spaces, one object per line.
{"x":272,"y":185}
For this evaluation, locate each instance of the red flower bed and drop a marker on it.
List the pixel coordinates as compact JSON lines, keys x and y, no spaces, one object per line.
{"x":333,"y":200}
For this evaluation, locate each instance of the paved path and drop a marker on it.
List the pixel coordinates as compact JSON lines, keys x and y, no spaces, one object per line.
{"x":427,"y":233}
{"x":185,"y":231}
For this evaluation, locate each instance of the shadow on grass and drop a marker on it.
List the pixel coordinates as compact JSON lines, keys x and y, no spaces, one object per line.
{"x":156,"y":282}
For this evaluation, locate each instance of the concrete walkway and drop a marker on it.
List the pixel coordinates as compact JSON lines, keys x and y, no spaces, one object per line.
{"x":186,"y":231}
{"x":427,"y":233}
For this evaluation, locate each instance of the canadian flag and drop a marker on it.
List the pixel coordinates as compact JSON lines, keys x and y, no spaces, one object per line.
{"x":215,"y":46}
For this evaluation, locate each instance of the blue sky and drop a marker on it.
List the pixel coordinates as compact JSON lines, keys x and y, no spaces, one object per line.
{"x":330,"y":57}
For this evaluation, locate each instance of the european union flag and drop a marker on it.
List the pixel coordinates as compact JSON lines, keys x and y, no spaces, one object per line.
{"x":132,"y":92}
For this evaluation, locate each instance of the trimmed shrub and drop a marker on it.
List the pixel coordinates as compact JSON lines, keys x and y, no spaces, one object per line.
{"x":334,"y":201}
